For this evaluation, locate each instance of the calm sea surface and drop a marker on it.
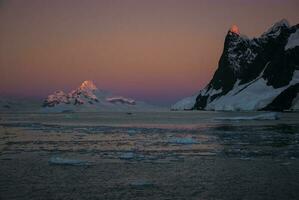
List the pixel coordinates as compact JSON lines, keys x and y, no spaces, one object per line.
{"x":149,"y":155}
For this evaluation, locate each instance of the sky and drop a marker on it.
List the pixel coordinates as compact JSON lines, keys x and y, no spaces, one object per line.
{"x":157,"y":51}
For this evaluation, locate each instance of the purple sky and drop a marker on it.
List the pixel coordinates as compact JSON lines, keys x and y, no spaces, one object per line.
{"x":153,"y":50}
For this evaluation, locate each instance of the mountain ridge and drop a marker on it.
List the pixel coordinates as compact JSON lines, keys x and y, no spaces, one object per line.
{"x":252,"y":73}
{"x":87,"y":97}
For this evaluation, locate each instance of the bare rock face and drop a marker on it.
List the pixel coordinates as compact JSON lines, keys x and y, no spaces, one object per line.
{"x":254,"y":74}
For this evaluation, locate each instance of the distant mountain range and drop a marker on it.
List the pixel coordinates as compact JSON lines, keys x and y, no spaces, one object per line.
{"x":253,"y":74}
{"x":87,"y":97}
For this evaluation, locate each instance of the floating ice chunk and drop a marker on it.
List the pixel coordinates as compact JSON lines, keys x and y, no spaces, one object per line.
{"x":285,"y":163}
{"x":132,"y":156}
{"x":132,"y":132}
{"x":184,"y":140}
{"x":245,"y":158}
{"x":127,"y":156}
{"x":65,"y":161}
{"x":266,"y":116}
{"x":141,"y":183}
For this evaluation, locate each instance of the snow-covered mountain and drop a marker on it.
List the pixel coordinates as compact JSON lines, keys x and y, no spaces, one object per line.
{"x":253,"y":74}
{"x":87,"y":97}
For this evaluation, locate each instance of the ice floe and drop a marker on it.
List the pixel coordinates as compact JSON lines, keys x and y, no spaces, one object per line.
{"x":127,"y":156}
{"x":266,"y":116}
{"x":141,"y":183}
{"x":66,"y":161}
{"x":182,"y":140}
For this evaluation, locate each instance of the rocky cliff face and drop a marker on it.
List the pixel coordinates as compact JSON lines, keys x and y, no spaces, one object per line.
{"x":254,"y":74}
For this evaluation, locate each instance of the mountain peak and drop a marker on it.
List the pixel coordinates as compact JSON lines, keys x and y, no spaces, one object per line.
{"x":282,"y":22}
{"x":275,"y":28}
{"x":234,"y":29}
{"x":88,"y":85}
{"x":87,"y":98}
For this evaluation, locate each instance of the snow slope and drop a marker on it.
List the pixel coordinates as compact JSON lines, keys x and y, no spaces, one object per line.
{"x":293,"y":40}
{"x":185,"y":104}
{"x":253,"y":96}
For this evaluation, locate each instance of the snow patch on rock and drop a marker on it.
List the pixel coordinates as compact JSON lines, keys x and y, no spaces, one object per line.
{"x":293,"y":41}
{"x":275,"y":30}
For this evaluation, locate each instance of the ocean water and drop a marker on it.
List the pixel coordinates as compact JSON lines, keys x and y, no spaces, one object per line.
{"x":149,"y":155}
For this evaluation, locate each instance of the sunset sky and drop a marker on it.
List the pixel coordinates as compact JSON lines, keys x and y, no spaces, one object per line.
{"x":153,"y":50}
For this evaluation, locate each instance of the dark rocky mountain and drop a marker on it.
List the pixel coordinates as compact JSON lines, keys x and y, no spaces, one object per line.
{"x":253,"y":74}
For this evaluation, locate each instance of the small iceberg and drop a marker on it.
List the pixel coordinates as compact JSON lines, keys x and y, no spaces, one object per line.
{"x":131,"y":156}
{"x":132,"y":132}
{"x":266,"y":116}
{"x":183,"y":140}
{"x":65,"y":161}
